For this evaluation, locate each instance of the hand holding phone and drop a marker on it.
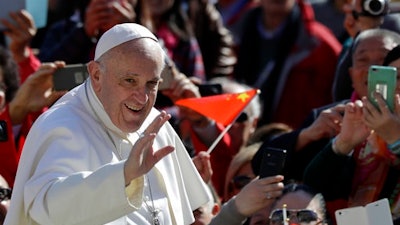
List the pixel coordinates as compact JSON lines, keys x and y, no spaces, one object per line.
{"x":167,"y":74}
{"x":382,"y":79}
{"x":273,"y":162}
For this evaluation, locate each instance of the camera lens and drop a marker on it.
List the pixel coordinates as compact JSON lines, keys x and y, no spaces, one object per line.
{"x":374,"y":7}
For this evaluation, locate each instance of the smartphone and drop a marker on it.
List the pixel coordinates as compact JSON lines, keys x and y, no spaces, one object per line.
{"x":272,"y":162}
{"x":379,"y":212}
{"x":36,"y":8}
{"x":209,"y":89}
{"x":168,"y":74}
{"x":70,"y":76}
{"x":10,"y":6}
{"x":375,"y":213}
{"x":351,"y":216}
{"x":382,"y":79}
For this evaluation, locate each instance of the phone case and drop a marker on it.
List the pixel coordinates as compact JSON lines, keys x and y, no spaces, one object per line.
{"x":69,"y":77}
{"x":351,"y":216}
{"x":375,"y":213}
{"x":379,"y":213}
{"x":272,"y":162}
{"x":382,"y":79}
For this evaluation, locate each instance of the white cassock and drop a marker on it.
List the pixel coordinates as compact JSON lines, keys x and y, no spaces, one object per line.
{"x":72,"y":171}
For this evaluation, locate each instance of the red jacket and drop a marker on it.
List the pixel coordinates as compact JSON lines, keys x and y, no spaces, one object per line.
{"x":220,"y":157}
{"x":306,"y":76}
{"x":8,"y":150}
{"x":11,"y":149}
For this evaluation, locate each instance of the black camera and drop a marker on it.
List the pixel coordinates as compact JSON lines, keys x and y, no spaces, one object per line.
{"x":375,"y":8}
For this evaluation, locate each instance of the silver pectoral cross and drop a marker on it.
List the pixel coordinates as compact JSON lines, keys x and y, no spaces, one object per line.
{"x":154,"y":214}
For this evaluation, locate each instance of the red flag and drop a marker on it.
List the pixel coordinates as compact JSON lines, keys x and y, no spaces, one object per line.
{"x":223,"y":108}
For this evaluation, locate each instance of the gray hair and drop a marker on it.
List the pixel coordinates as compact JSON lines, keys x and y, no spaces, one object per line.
{"x":385,"y":34}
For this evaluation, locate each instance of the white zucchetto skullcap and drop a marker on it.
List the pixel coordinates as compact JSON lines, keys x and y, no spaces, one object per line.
{"x":119,"y":34}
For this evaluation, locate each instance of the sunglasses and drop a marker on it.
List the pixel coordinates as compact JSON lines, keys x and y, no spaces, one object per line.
{"x":301,"y":216}
{"x":240,"y":181}
{"x":357,"y":15}
{"x":5,"y":194}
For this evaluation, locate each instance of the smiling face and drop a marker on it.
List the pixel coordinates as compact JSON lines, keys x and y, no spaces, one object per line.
{"x":370,"y":51}
{"x":126,"y":81}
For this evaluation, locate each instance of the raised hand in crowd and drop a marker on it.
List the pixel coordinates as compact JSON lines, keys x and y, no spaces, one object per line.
{"x":101,"y":15}
{"x":35,"y":93}
{"x":327,"y":125}
{"x":384,"y":122}
{"x":258,"y":194}
{"x":179,"y":85}
{"x":203,"y":165}
{"x":353,"y":131}
{"x":20,"y":30}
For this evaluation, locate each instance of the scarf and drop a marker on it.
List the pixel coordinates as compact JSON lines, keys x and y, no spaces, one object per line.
{"x":373,"y":161}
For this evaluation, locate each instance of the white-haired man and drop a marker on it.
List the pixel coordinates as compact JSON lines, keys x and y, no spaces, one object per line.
{"x":103,"y":154}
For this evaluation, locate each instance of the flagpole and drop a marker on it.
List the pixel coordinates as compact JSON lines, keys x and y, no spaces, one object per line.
{"x":212,"y":147}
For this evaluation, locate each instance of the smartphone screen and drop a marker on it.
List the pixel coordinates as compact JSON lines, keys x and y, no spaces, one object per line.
{"x":64,"y":79}
{"x":382,"y":79}
{"x":272,"y":162}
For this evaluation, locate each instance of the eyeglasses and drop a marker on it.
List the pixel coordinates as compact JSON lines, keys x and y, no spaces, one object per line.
{"x":5,"y":194}
{"x":302,"y":216}
{"x":240,"y":181}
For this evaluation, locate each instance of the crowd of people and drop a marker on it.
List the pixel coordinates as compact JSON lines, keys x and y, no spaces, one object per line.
{"x":116,"y":149}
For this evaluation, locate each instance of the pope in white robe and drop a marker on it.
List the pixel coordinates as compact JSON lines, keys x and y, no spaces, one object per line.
{"x":72,"y":167}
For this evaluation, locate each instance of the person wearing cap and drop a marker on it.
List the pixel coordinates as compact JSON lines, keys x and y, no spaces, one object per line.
{"x":102,"y":154}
